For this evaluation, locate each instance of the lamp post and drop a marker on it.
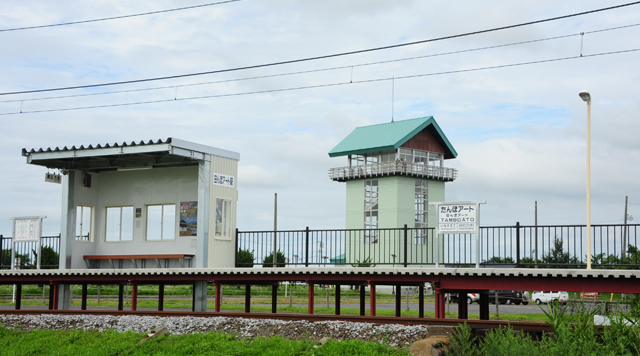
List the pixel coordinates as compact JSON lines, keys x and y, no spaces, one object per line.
{"x":393,"y":288}
{"x":587,"y":98}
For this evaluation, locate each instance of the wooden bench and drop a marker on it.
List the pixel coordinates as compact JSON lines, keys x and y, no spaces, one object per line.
{"x":142,"y":258}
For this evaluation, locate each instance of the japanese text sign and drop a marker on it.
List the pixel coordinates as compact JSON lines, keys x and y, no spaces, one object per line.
{"x":458,"y":218}
{"x":224,"y":180}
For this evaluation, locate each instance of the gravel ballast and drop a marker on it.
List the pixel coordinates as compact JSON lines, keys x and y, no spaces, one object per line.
{"x":393,"y":334}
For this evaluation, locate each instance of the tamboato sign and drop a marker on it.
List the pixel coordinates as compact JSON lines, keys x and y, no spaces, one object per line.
{"x":458,"y":217}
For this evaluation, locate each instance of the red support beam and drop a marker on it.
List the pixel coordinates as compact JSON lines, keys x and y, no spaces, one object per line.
{"x":440,"y":304}
{"x":218,"y":300}
{"x":134,"y":296}
{"x":56,"y":289}
{"x":311,"y":301}
{"x":372,"y":299}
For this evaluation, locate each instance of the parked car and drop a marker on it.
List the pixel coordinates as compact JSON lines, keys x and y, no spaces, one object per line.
{"x":508,"y":297}
{"x":549,"y":296}
{"x":471,"y":297}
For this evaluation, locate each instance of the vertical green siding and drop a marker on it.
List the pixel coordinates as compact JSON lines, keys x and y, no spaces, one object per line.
{"x":436,"y":194}
{"x":396,"y":208}
{"x":355,"y":204}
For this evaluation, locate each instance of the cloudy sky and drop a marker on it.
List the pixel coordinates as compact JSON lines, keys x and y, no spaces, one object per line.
{"x":520,"y":131}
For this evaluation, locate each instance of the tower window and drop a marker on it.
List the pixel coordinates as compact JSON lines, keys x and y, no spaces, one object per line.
{"x":421,"y":212}
{"x":371,"y":212}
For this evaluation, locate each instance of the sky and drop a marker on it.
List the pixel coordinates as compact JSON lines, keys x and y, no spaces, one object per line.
{"x":519,"y":130}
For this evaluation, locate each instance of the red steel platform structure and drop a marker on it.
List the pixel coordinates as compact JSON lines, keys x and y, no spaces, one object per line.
{"x":444,"y":280}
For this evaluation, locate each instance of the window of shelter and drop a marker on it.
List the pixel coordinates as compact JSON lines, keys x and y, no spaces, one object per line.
{"x":161,"y":222}
{"x":84,"y":219}
{"x":119,"y":223}
{"x":223,"y":209}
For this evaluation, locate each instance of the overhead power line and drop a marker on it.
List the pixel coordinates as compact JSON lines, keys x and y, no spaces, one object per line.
{"x":324,"y":85}
{"x":324,"y":56}
{"x":320,"y":69}
{"x":116,"y":17}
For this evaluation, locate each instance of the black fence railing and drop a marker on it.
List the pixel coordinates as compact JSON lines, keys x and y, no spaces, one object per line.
{"x":26,"y":252}
{"x":549,"y":246}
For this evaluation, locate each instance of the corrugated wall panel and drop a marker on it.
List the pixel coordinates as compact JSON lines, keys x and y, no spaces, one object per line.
{"x":222,"y":250}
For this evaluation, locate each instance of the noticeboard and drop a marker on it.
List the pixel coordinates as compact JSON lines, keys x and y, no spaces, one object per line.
{"x":27,"y":229}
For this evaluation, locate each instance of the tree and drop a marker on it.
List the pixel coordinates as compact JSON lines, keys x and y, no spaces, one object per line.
{"x":557,"y":256}
{"x":6,"y":259}
{"x":50,"y":258}
{"x":268,"y":261}
{"x":245,"y":258}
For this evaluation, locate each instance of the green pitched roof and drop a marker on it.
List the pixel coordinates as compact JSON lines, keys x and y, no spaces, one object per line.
{"x":390,"y":136}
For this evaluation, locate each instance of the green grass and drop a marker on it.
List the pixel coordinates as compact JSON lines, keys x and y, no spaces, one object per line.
{"x":78,"y":342}
{"x":573,"y":334}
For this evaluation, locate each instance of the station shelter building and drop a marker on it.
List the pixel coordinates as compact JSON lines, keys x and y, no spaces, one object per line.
{"x":156,"y":204}
{"x":393,"y":171}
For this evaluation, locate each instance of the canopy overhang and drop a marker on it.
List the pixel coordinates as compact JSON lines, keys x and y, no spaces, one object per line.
{"x":171,"y":152}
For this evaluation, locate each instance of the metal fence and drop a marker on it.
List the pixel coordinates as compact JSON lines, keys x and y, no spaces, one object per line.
{"x":27,"y":253}
{"x":549,"y":246}
{"x":559,"y":246}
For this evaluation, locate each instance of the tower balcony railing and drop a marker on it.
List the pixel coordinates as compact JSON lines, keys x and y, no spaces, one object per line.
{"x":342,"y":174}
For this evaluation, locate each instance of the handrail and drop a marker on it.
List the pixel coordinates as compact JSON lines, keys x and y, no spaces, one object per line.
{"x":393,"y":168}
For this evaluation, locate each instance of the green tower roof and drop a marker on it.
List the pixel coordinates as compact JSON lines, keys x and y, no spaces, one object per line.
{"x":390,"y":136}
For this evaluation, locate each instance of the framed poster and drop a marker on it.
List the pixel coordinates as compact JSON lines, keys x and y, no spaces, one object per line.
{"x":189,"y":218}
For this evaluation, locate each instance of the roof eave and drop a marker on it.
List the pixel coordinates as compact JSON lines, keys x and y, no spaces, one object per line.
{"x":362,"y":151}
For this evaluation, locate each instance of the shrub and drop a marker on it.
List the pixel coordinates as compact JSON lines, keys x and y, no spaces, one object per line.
{"x":268,"y":261}
{"x":50,"y":258}
{"x":365,"y":263}
{"x":245,"y":258}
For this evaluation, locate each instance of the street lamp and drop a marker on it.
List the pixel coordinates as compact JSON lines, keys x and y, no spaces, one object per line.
{"x":393,"y":288}
{"x":587,"y":97}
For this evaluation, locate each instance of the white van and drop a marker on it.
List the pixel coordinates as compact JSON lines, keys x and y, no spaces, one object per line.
{"x":549,"y":296}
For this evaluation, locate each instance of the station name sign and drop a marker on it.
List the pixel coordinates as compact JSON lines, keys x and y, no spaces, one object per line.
{"x":52,"y":178}
{"x":458,"y":217}
{"x":224,"y":180}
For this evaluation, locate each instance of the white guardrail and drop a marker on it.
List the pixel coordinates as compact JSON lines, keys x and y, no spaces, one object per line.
{"x":393,"y":168}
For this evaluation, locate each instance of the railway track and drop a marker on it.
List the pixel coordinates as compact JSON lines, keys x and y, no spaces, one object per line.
{"x":531,"y":327}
